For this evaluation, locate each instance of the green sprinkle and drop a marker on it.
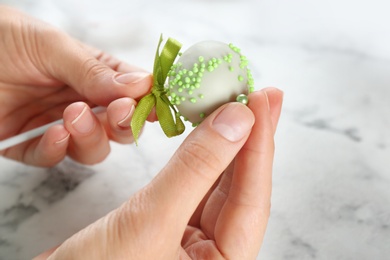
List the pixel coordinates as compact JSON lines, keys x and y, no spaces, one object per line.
{"x":180,"y":89}
{"x":193,"y":100}
{"x":201,"y":58}
{"x":187,"y":80}
{"x":240,"y":78}
{"x":201,"y":96}
{"x":190,"y":73}
{"x":231,"y":68}
{"x":229,"y":58}
{"x":202,"y":115}
{"x":242,"y":98}
{"x":251,"y":82}
{"x":210,"y":68}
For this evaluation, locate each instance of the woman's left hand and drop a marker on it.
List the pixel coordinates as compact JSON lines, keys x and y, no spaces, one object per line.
{"x":43,"y":72}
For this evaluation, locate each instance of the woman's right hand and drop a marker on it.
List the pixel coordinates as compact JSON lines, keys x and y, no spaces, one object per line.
{"x":211,"y":201}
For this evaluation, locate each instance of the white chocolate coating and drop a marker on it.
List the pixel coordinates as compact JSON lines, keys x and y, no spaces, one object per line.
{"x":219,"y":76}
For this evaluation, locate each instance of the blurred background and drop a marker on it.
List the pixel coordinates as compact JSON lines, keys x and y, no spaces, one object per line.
{"x":331,"y":196}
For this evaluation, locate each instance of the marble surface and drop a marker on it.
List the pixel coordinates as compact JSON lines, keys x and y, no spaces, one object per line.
{"x":331,"y":196}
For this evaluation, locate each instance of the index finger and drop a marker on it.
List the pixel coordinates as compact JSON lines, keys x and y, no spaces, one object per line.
{"x":242,"y":222}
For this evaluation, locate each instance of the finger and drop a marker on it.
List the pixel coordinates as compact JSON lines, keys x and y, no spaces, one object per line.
{"x":275,"y":100}
{"x":51,"y":148}
{"x":89,"y":76}
{"x":89,"y":142}
{"x":246,"y":209}
{"x":215,"y":203}
{"x":119,"y":114}
{"x":196,"y":217}
{"x":217,"y":195}
{"x":198,"y":163}
{"x":45,"y":255}
{"x":45,"y":151}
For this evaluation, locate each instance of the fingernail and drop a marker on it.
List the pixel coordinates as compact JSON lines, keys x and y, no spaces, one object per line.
{"x":84,"y":123}
{"x":63,"y":140}
{"x":131,"y":78}
{"x":234,"y":122}
{"x":125,"y":122}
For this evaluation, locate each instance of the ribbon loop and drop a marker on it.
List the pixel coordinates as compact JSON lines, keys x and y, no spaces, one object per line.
{"x":172,"y":125}
{"x":143,"y":109}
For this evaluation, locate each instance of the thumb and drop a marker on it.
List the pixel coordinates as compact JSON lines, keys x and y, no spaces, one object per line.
{"x":72,"y":63}
{"x":199,"y":161}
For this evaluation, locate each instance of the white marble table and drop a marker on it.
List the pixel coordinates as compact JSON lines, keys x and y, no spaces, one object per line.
{"x":331,"y":197}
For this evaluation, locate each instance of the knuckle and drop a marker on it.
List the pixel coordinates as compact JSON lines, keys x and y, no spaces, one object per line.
{"x":199,"y":159}
{"x":93,"y":68}
{"x":109,"y":60}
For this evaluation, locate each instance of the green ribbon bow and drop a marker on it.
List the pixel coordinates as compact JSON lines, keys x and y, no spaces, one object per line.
{"x":171,"y":124}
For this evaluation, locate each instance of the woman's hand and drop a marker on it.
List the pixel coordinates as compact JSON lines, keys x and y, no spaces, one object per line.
{"x":43,"y":72}
{"x":211,"y":201}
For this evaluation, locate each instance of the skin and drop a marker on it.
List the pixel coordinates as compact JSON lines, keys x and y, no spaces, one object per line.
{"x":194,"y":209}
{"x":211,"y":200}
{"x":46,"y":75}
